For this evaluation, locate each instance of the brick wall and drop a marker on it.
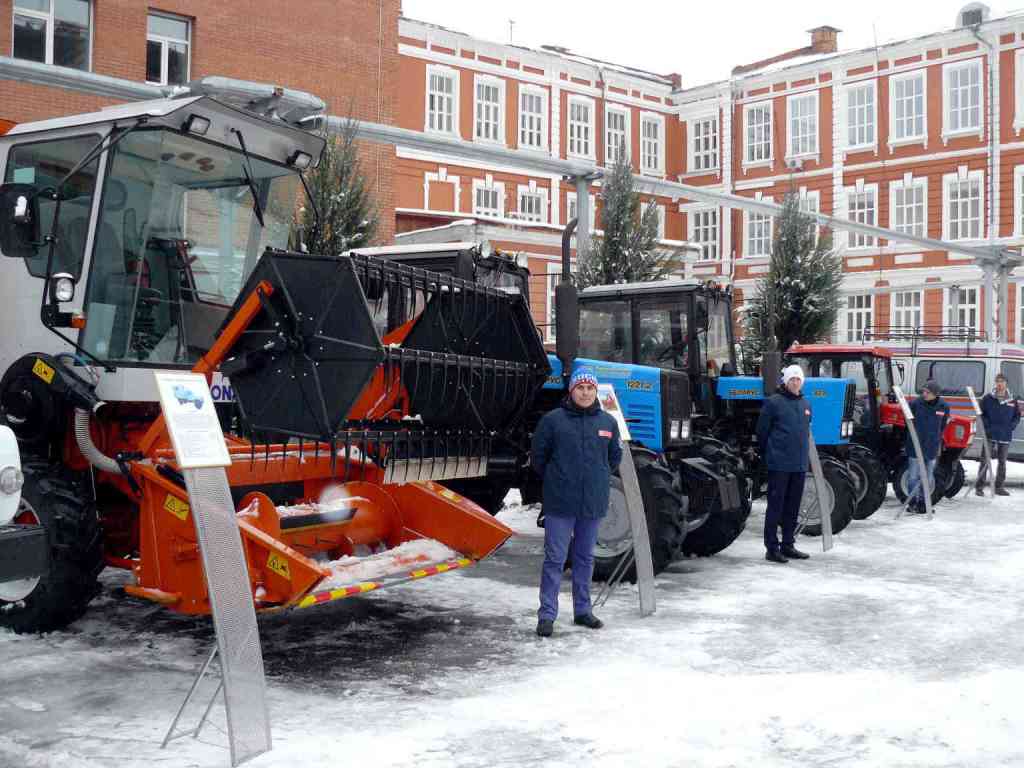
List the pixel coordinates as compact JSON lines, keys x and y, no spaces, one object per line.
{"x":344,"y":51}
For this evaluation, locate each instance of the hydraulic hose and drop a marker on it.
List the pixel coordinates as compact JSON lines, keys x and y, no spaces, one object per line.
{"x":88,"y":448}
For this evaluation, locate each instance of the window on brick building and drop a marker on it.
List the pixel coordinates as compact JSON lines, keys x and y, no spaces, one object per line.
{"x":759,"y":132}
{"x":53,"y":32}
{"x":1018,"y":200}
{"x":858,"y":316}
{"x":862,"y":207}
{"x":442,"y":106}
{"x":810,"y":202}
{"x":652,"y":144}
{"x":659,"y":211}
{"x":488,"y":197}
{"x":531,"y":204}
{"x":906,"y":309}
{"x":908,"y":106}
{"x":616,"y":134}
{"x":533,"y":131}
{"x":572,"y":209}
{"x":167,"y":49}
{"x":704,"y":144}
{"x":554,"y":273}
{"x":759,"y":233}
{"x":963,"y":203}
{"x":908,"y":206}
{"x":704,"y":232}
{"x":962,"y":308}
{"x":581,"y":127}
{"x":803,"y":124}
{"x":963,"y":96}
{"x":490,"y":124}
{"x":860,"y":115}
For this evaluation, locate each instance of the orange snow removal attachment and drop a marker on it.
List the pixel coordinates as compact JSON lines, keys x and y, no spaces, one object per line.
{"x":344,"y":442}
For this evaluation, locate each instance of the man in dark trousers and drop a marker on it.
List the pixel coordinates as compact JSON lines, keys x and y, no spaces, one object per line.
{"x":783,"y":432}
{"x":931,"y":413}
{"x":1000,"y":414}
{"x":575,"y":450}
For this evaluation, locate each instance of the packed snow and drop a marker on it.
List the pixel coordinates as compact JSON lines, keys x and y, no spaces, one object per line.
{"x":403,"y":558}
{"x":899,"y":647}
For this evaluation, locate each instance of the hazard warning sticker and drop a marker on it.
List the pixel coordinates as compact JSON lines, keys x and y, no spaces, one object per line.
{"x":176,"y":507}
{"x":279,"y":565}
{"x":43,"y":371}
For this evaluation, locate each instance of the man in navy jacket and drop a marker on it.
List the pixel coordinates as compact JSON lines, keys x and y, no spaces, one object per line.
{"x":1000,"y":414}
{"x":783,"y":432}
{"x":931,"y":413}
{"x":575,"y":450}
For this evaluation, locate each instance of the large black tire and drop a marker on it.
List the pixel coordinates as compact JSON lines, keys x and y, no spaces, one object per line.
{"x":956,"y":481}
{"x":870,"y":479}
{"x":664,"y":507}
{"x":721,"y":528}
{"x":487,"y":494}
{"x":840,"y":501}
{"x":942,"y":481}
{"x":65,"y":508}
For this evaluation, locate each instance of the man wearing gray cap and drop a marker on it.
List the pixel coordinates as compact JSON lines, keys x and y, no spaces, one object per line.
{"x":931,"y":413}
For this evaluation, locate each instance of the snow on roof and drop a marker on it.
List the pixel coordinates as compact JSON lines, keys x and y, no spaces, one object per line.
{"x":154,"y":108}
{"x":796,"y":61}
{"x":416,"y":248}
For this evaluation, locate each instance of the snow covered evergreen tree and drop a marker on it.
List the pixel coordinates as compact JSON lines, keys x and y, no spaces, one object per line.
{"x":628,"y":250}
{"x":348,"y":212}
{"x":798,"y":299}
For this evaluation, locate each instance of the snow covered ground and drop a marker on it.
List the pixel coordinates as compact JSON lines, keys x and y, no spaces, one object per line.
{"x":900,"y":647}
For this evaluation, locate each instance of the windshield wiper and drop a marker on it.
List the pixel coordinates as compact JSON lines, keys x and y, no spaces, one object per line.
{"x":256,"y":207}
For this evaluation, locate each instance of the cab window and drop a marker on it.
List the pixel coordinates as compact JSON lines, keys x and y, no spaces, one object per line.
{"x":663,"y":334}
{"x":606,"y":331}
{"x":952,"y":376}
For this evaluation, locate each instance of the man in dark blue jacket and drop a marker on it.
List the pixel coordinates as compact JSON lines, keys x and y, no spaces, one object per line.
{"x":575,"y":450}
{"x":931,"y":413}
{"x":783,"y":432}
{"x":1001,"y":414}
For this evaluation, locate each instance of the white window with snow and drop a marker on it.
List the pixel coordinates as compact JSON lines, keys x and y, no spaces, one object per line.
{"x":616,"y":134}
{"x":803,"y":124}
{"x":581,"y":127}
{"x":908,"y":206}
{"x":532,"y":204}
{"x":533,"y":123}
{"x":861,"y":206}
{"x":758,"y":119}
{"x":859,"y":316}
{"x":442,"y":104}
{"x":652,"y":144}
{"x":963,"y":97}
{"x":860,"y":116}
{"x":963,"y":203}
{"x":907,"y":106}
{"x":704,"y":144}
{"x":704,"y":232}
{"x":488,"y":198}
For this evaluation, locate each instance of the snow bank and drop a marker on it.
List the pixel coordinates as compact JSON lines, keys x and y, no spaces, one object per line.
{"x":405,"y":557}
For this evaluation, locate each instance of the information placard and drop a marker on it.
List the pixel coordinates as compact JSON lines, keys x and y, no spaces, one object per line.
{"x":192,"y":420}
{"x":610,"y":405}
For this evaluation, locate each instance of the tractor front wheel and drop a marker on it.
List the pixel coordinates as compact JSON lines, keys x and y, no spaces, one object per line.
{"x":722,"y":527}
{"x":870,"y":481}
{"x":900,"y":481}
{"x":839,"y":501}
{"x":65,"y":509}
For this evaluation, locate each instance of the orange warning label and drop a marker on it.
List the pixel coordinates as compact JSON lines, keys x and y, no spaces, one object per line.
{"x":176,"y":507}
{"x":279,"y":565}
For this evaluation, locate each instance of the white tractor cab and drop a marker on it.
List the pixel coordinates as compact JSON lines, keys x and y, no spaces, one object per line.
{"x":130,"y":232}
{"x":956,"y":359}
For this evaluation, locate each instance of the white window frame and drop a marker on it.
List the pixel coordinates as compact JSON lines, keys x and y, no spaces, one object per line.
{"x":894,"y":310}
{"x":591,"y":148}
{"x":627,"y":116}
{"x":552,"y":274}
{"x":1018,"y":201}
{"x":532,"y":189}
{"x":652,"y":118}
{"x":691,"y":144}
{"x":947,"y":131}
{"x":947,"y":306}
{"x":909,"y":182}
{"x":570,"y":201}
{"x":165,"y":45}
{"x":50,"y":19}
{"x":852,"y":237}
{"x":814,"y":152}
{"x":436,"y":69}
{"x":490,"y":184}
{"x":1020,"y":313}
{"x":1018,"y":89}
{"x":865,"y":314}
{"x":961,"y":176}
{"x":749,"y":220}
{"x":748,"y":145}
{"x":713,"y":244}
{"x":659,"y":211}
{"x":872,"y":114}
{"x":919,"y":138}
{"x":805,"y":199}
{"x":533,"y":90}
{"x":499,"y":124}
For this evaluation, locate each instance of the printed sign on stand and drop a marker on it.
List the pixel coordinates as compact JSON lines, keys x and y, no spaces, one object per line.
{"x":192,"y":420}
{"x":986,"y":451}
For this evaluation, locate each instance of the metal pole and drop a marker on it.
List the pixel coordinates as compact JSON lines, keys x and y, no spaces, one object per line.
{"x":819,"y":485}
{"x":986,"y":452}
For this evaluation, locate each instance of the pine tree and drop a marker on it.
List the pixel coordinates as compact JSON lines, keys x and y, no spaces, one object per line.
{"x":628,"y":250}
{"x":798,"y":299}
{"x":348,"y":212}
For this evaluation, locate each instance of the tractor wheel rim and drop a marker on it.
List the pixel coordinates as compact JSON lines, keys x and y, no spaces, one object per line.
{"x":614,"y":534}
{"x":13,"y":591}
{"x":860,"y":480}
{"x":810,"y":511}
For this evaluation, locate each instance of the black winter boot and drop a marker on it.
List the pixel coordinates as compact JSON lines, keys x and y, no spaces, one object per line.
{"x":788,"y":550}
{"x":588,"y":620}
{"x":545,"y":627}
{"x":775,"y":556}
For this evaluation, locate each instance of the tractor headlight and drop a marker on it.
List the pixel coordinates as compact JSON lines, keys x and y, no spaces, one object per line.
{"x":63,"y":287}
{"x":11,"y":480}
{"x":846,"y":430}
{"x":673,"y":429}
{"x":684,"y":429}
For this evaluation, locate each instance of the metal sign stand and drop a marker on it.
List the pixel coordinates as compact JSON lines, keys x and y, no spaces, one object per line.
{"x":986,"y":451}
{"x":926,"y":486}
{"x":200,"y":450}
{"x":819,"y":486}
{"x":640,"y":552}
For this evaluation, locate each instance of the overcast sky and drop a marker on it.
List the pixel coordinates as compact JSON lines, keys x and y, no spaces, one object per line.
{"x":702,"y":41}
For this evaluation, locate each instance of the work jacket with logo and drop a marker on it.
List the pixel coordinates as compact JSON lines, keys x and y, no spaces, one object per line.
{"x":783,"y":432}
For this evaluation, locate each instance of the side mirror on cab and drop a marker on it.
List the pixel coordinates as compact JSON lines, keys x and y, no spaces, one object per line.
{"x":19,"y":221}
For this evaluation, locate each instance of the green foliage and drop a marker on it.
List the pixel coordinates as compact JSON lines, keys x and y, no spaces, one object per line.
{"x":627,"y":252}
{"x":798,"y":299}
{"x":348,"y":212}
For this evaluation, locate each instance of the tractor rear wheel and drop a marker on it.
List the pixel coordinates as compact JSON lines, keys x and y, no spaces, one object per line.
{"x":956,"y":482}
{"x":722,"y":527}
{"x":870,"y":481}
{"x":900,"y":481}
{"x":65,"y":509}
{"x":839,"y":502}
{"x":665,"y":509}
